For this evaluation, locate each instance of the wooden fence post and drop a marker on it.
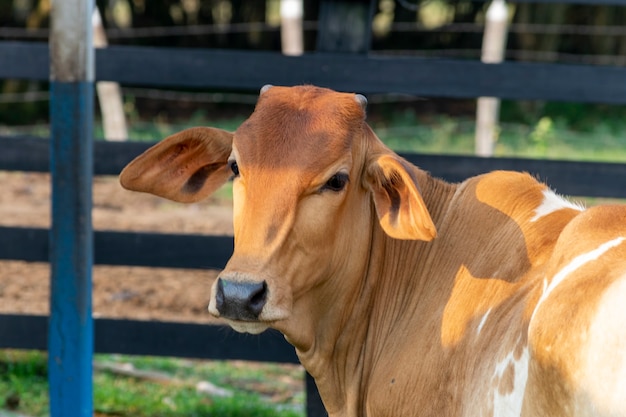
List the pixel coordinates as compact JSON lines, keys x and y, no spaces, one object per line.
{"x":488,"y":108}
{"x":291,"y":12}
{"x":70,"y":336}
{"x":109,"y":92}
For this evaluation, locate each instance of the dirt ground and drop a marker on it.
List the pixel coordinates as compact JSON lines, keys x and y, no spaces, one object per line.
{"x":130,"y":292}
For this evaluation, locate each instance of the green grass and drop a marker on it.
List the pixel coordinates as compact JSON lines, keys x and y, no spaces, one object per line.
{"x":23,"y":378}
{"x":257,"y":389}
{"x":547,"y":137}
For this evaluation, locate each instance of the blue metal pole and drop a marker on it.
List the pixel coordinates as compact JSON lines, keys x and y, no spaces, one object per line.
{"x":70,"y":340}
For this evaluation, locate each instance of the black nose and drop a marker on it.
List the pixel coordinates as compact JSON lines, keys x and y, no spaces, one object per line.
{"x":240,"y":300}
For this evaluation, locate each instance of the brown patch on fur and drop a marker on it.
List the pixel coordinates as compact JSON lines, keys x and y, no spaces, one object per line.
{"x":507,"y":380}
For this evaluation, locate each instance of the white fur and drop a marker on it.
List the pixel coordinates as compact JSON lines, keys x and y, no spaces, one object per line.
{"x":603,"y":377}
{"x":483,"y":320}
{"x":574,"y":264}
{"x":553,"y":202}
{"x":510,"y":405}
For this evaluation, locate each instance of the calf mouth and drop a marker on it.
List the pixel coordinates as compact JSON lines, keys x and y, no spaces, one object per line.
{"x":252,"y":327}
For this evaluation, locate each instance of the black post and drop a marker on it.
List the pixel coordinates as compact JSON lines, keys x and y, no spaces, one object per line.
{"x":345,"y":26}
{"x":314,"y":406}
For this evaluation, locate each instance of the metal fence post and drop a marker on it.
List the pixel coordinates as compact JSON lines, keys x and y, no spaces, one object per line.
{"x":70,"y":337}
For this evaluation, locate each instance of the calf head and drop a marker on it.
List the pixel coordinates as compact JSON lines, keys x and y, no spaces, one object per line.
{"x":310,"y":178}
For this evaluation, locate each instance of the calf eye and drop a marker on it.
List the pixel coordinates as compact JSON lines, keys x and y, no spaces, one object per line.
{"x":336,"y":183}
{"x":234,"y":168}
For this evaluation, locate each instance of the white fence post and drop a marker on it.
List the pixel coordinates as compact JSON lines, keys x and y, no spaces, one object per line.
{"x":109,"y":93}
{"x":291,"y":12}
{"x":488,"y":108}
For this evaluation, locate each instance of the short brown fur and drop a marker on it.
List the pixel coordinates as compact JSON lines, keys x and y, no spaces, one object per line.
{"x":402,"y":294}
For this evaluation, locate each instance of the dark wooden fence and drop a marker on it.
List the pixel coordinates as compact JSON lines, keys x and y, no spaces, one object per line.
{"x":340,"y":65}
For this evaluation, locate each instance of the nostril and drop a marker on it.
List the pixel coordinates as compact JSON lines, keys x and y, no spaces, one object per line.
{"x":257,"y":299}
{"x":240,"y":300}
{"x":219,"y":295}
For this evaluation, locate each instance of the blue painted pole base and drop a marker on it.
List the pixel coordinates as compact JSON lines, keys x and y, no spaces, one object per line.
{"x":70,"y":339}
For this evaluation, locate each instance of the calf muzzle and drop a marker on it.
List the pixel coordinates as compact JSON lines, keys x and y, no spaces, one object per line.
{"x":240,"y":300}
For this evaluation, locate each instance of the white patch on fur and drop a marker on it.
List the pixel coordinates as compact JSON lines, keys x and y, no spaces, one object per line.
{"x":574,"y":264}
{"x":510,"y":405}
{"x":553,"y":202}
{"x":483,"y":320}
{"x":603,"y":378}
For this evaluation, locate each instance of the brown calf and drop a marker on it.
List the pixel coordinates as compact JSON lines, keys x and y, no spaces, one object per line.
{"x":402,"y":294}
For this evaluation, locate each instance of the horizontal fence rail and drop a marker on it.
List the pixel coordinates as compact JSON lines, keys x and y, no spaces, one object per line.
{"x":125,"y":248}
{"x":590,"y":179}
{"x":135,"y":337}
{"x":32,"y":154}
{"x":574,"y":178}
{"x":249,"y":70}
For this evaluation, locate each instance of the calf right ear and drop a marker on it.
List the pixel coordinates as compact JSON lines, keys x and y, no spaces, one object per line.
{"x":185,"y":167}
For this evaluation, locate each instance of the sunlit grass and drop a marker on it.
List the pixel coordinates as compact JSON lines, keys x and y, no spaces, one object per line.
{"x":253,"y":388}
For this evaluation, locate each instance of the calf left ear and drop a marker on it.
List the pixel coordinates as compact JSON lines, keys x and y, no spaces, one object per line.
{"x":185,"y":167}
{"x":401,"y":210}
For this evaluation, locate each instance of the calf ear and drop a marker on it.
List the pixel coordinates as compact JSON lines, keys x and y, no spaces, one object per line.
{"x":186,"y":167}
{"x":401,"y":210}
